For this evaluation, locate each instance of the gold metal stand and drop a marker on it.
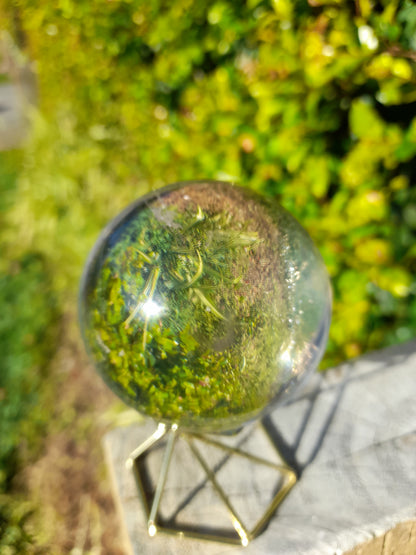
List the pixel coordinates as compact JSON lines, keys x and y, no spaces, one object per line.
{"x":240,"y":534}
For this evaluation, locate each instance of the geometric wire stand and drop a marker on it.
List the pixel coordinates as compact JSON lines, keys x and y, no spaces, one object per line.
{"x":152,"y":497}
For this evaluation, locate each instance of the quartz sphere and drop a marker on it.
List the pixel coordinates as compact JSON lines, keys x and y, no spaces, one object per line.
{"x":203,"y":304}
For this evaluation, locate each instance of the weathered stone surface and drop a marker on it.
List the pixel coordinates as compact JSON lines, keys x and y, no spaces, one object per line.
{"x":351,"y":435}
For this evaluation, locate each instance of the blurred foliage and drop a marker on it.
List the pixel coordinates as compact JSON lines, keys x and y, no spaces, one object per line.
{"x":311,"y":101}
{"x":14,"y":516}
{"x":26,"y":338}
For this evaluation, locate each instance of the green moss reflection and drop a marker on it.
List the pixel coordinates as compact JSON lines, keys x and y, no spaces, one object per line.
{"x":177,"y":325}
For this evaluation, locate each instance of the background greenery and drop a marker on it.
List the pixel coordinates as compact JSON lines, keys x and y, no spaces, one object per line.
{"x":310,"y":101}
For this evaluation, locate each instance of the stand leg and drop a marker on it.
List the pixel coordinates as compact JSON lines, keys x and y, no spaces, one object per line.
{"x":151,"y":523}
{"x":239,"y":528}
{"x":146,"y":445}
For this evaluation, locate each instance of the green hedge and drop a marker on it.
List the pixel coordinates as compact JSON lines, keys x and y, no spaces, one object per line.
{"x":314,"y":102}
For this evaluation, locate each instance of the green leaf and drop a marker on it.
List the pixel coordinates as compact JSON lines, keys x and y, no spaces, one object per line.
{"x":364,"y":121}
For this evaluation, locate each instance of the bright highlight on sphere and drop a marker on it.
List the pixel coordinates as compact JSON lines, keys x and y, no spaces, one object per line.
{"x":203,"y":304}
{"x":150,"y":309}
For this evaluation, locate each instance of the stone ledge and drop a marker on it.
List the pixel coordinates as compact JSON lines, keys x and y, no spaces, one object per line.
{"x":351,"y":435}
{"x":401,"y":540}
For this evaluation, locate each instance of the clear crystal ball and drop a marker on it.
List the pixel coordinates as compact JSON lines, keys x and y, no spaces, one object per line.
{"x":203,"y":304}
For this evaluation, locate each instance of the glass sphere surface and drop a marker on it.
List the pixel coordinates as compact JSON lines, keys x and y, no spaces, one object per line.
{"x":203,"y":304}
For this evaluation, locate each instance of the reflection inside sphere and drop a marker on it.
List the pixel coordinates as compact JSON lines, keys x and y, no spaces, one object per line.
{"x":203,"y":304}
